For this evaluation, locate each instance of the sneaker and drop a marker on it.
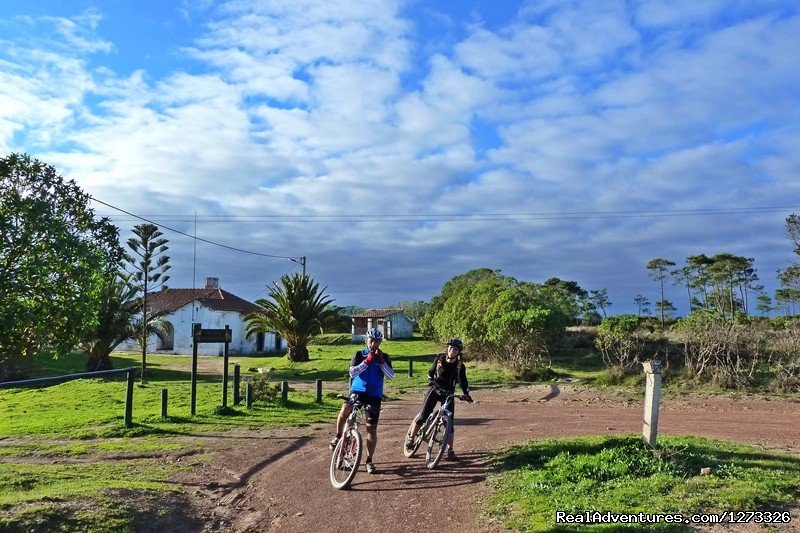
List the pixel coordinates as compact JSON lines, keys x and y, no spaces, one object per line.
{"x":332,"y":444}
{"x":451,"y":455}
{"x":370,"y":467}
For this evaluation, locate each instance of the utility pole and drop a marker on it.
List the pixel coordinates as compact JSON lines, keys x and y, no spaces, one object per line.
{"x":302,"y":261}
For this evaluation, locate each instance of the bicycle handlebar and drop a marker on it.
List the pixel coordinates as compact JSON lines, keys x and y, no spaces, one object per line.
{"x":461,"y":397}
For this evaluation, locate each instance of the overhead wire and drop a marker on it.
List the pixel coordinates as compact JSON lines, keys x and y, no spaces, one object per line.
{"x":465,"y":217}
{"x":195,"y":237}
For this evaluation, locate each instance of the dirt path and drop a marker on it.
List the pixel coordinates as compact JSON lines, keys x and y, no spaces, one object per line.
{"x":278,"y":480}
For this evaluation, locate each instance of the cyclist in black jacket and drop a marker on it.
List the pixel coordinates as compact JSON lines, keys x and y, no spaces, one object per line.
{"x":446,"y":372}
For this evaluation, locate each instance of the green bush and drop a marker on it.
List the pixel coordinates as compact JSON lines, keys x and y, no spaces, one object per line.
{"x":265,"y":390}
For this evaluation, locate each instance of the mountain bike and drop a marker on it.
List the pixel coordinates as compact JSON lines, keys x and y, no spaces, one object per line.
{"x":435,"y":431}
{"x":346,"y":457}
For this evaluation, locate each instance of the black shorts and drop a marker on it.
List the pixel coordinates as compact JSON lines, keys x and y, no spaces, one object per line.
{"x":372,"y":407}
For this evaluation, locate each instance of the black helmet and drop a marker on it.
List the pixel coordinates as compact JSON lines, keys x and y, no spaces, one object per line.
{"x":456,"y":343}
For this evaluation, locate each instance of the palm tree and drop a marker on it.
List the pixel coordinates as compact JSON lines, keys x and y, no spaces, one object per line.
{"x":117,"y":322}
{"x":297,"y":311}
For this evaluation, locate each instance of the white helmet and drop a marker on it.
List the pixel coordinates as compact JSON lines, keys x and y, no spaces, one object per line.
{"x":374,"y":333}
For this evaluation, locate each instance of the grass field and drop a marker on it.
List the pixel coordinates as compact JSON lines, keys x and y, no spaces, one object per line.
{"x":67,"y":460}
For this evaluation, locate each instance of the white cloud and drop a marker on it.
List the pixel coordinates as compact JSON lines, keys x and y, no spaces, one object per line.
{"x":316,"y":108}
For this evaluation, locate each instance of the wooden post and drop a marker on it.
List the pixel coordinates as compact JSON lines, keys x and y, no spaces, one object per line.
{"x":284,"y":392}
{"x":129,"y":400}
{"x":236,"y":384}
{"x":652,"y":398}
{"x":196,"y":339}
{"x":225,"y":369}
{"x":164,"y":404}
{"x":319,"y":391}
{"x":410,"y":367}
{"x":249,"y":396}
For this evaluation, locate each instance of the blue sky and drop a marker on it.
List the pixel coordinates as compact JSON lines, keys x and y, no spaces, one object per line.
{"x":397,"y":144}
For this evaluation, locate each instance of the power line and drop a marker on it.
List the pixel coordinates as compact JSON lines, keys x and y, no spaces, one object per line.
{"x":195,"y":237}
{"x":465,"y":217}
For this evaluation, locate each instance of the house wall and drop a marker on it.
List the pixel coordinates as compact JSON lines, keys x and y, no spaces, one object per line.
{"x":181,"y":322}
{"x":401,"y":326}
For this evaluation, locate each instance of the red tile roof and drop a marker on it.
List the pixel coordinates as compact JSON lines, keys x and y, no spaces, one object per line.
{"x":377,"y":313}
{"x":168,"y":300}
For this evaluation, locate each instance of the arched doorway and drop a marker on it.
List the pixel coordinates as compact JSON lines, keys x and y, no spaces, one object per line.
{"x":166,"y":339}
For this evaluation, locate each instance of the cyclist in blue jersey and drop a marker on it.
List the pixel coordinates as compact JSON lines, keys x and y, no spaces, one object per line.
{"x":368,"y":368}
{"x":446,"y":372}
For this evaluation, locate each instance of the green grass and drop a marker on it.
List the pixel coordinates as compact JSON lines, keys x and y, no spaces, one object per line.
{"x":65,"y":446}
{"x":67,"y":462}
{"x":623,"y":475}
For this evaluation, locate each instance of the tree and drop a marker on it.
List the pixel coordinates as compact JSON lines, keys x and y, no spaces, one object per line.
{"x":793,"y":231}
{"x":52,"y":259}
{"x":116,"y":323}
{"x":577,"y":295}
{"x":666,"y":309}
{"x":726,"y":273}
{"x":764,"y":304}
{"x":599,"y":299}
{"x":697,"y":273}
{"x":413,"y":309}
{"x":297,"y":310}
{"x":148,"y":267}
{"x":448,"y":289}
{"x":642,"y":305}
{"x":514,"y":323}
{"x":659,"y":271}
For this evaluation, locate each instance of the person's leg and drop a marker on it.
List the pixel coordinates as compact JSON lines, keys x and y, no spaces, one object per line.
{"x":450,"y":451}
{"x":373,"y":412}
{"x":372,"y":440}
{"x":340,"y":420}
{"x":428,"y":403}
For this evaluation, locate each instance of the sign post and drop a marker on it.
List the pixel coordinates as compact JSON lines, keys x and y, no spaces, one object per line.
{"x":201,"y":335}
{"x":196,"y":328}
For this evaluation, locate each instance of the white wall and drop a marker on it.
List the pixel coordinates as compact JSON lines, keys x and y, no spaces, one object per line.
{"x":402,"y":327}
{"x":181,"y":321}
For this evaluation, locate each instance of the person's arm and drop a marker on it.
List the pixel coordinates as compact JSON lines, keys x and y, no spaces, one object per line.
{"x":462,"y":380}
{"x":357,"y":364}
{"x":432,"y":371}
{"x":386,"y":366}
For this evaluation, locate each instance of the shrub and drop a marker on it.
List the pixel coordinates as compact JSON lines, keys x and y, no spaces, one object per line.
{"x":265,"y":390}
{"x":621,"y":340}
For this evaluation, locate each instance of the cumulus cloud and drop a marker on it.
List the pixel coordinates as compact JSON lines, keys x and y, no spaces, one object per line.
{"x":348,"y":132}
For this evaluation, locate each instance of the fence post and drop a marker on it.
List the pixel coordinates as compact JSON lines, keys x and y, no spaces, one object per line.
{"x":249,"y":396}
{"x":410,"y":367}
{"x":652,"y":397}
{"x":236,"y":377}
{"x":164,"y":404}
{"x":284,"y":392}
{"x":319,"y":391}
{"x":129,"y":400}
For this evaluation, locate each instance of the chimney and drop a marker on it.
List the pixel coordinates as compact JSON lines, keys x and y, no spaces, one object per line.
{"x":212,"y":283}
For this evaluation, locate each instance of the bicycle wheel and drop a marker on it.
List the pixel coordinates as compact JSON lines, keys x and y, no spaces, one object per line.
{"x":346,"y":459}
{"x":437,"y":443}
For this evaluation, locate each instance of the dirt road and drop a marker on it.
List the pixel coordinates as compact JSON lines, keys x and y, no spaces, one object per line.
{"x":278,"y":480}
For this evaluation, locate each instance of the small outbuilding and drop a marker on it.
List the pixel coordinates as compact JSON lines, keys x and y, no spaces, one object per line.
{"x":393,"y":323}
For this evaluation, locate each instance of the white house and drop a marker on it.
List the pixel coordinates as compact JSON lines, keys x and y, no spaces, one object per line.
{"x":393,"y":323}
{"x":213,"y":308}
